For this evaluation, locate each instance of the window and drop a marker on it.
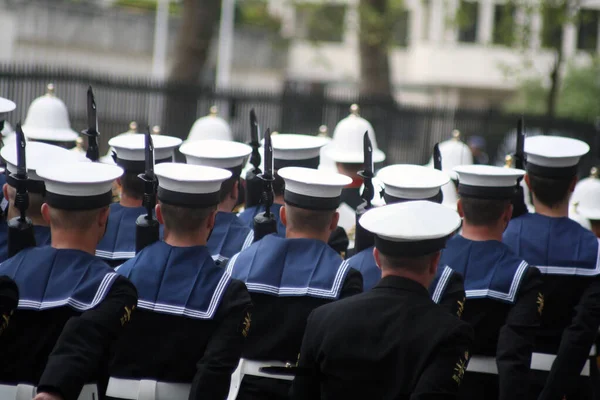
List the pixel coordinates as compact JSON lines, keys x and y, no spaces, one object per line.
{"x":553,"y":19}
{"x":401,"y":29}
{"x":466,"y":18}
{"x":321,"y":23}
{"x":504,"y":24}
{"x":587,"y":36}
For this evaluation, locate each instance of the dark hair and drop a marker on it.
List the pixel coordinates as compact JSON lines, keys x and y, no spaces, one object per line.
{"x":227,"y":187}
{"x":310,"y":221}
{"x":132,"y":185}
{"x":481,"y":212}
{"x":414,"y":264}
{"x":184,"y":220}
{"x":550,"y":191}
{"x":278,"y":185}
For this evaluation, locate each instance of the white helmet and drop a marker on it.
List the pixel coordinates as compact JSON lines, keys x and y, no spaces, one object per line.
{"x":210,"y":127}
{"x":347,"y":143}
{"x":48,"y":119}
{"x":6,"y":105}
{"x":584,"y":203}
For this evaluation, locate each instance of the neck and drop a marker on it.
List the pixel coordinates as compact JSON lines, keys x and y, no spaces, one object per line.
{"x":189,"y":239}
{"x":131,"y":202}
{"x":226,"y":206}
{"x":279,"y":200}
{"x":559,"y":211}
{"x":322,"y":236}
{"x":423,"y":280}
{"x":73,"y":240}
{"x":480,"y":233}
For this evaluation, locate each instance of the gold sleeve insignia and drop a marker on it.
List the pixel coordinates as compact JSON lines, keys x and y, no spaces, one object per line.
{"x":460,"y":368}
{"x":4,"y":321}
{"x":461,"y":307}
{"x":127,"y":315}
{"x":246,"y":324}
{"x":540,"y":303}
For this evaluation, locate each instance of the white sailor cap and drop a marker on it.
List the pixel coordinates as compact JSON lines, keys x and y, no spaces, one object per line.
{"x":554,"y":156}
{"x":131,"y":150}
{"x":406,"y":182}
{"x":210,"y":127}
{"x":37,"y":155}
{"x":588,"y":206}
{"x":487,"y":182}
{"x":313,"y":189}
{"x":6,"y":105}
{"x":8,"y":130}
{"x":79,"y":185}
{"x":217,"y":153}
{"x":293,"y":150}
{"x":411,"y":229}
{"x":192,"y":186}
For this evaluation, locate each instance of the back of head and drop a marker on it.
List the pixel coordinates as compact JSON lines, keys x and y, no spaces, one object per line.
{"x":185,"y":220}
{"x":309,"y":222}
{"x":132,"y":186}
{"x":483,"y":212}
{"x":550,"y":191}
{"x":73,"y":220}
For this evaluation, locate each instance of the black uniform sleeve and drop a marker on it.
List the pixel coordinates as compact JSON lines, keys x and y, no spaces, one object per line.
{"x":85,"y":340}
{"x":338,"y":240}
{"x":575,"y":344}
{"x":353,"y":284}
{"x":225,"y":346}
{"x":443,"y":374}
{"x":453,"y":298}
{"x":518,"y":203}
{"x":9,"y":300}
{"x":306,"y":384}
{"x":516,"y":338}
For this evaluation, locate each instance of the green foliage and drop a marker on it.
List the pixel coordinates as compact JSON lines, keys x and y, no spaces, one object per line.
{"x":378,"y":22}
{"x":147,"y":5}
{"x":579,"y":96}
{"x":321,"y":22}
{"x":256,"y":13}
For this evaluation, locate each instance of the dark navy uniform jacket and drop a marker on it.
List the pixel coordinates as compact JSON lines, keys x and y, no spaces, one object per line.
{"x":287,"y":279}
{"x":41,"y":233}
{"x":191,"y":321}
{"x":71,"y":308}
{"x":446,"y":289}
{"x":9,"y":300}
{"x":503,"y":306}
{"x":568,"y":257}
{"x":229,"y":236}
{"x":247,"y":217}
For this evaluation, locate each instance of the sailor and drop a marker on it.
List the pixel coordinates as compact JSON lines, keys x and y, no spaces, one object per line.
{"x":288,"y":278}
{"x":289,"y":150}
{"x":72,"y":306}
{"x":118,"y":244}
{"x":229,"y":235}
{"x":191,"y":309}
{"x":109,"y":157}
{"x":48,"y":121}
{"x":7,"y":132}
{"x":9,"y":300}
{"x":393,"y":341}
{"x":404,"y":182}
{"x":584,"y":193}
{"x":567,"y":256}
{"x":589,"y":205}
{"x":37,"y":155}
{"x":504,"y":298}
{"x":210,"y":127}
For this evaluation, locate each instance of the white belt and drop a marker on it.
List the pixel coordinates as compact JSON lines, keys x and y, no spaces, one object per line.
{"x":145,"y":389}
{"x":539,"y":361}
{"x":27,"y":392}
{"x":250,"y":367}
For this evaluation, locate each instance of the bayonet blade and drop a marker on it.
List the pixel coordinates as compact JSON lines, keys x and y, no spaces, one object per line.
{"x":368,"y":153}
{"x":520,"y":150}
{"x":92,"y":116}
{"x":21,"y":155}
{"x":149,"y":155}
{"x":254,"y":129}
{"x":268,"y":155}
{"x":437,"y":157}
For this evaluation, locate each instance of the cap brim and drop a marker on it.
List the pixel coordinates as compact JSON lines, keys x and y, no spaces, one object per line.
{"x":51,"y":135}
{"x":352,"y":157}
{"x":6,"y":105}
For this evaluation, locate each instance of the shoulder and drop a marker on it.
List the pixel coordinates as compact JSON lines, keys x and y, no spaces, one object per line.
{"x":235,"y":295}
{"x":8,"y":286}
{"x":123,"y":286}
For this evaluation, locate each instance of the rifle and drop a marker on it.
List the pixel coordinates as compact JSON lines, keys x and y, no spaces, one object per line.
{"x":91,"y":132}
{"x":265,"y":223}
{"x":364,"y":239}
{"x":518,"y":200}
{"x":20,"y":229}
{"x":254,"y":184}
{"x":147,"y":227}
{"x":437,"y":157}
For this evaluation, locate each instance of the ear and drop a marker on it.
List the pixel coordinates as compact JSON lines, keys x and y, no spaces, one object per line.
{"x":573,"y":184}
{"x":235,"y":191}
{"x":103,"y":216}
{"x":159,"y":216}
{"x":5,"y":191}
{"x":435,"y":260}
{"x":376,"y":257}
{"x":45,"y":213}
{"x":210,"y":221}
{"x":527,"y":181}
{"x":459,"y":208}
{"x":335,"y":218}
{"x":119,"y":182}
{"x":283,"y":215}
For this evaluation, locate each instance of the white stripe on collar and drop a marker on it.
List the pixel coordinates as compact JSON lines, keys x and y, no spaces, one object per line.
{"x":510,"y":296}
{"x":440,"y":288}
{"x":573,"y":271}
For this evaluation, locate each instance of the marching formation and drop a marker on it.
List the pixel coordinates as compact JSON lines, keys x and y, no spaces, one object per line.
{"x":292,"y":267}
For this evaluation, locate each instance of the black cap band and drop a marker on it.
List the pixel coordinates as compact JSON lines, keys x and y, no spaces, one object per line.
{"x":486,"y":192}
{"x":552,"y":172}
{"x":235,"y":171}
{"x":189,"y":200}
{"x":310,"y":202}
{"x":32,"y":186}
{"x":137,"y":166}
{"x":312,"y":163}
{"x":78,"y":203}
{"x":410,"y":249}
{"x":389,"y":199}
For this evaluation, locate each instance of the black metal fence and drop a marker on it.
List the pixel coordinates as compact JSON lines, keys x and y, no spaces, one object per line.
{"x":406,"y":134}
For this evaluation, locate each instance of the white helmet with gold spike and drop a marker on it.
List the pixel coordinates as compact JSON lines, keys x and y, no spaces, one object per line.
{"x":210,"y":127}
